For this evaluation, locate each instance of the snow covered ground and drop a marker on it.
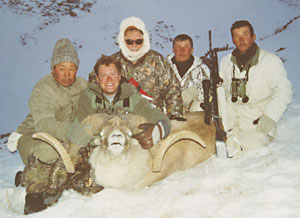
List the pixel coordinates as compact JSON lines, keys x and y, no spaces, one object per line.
{"x":261,"y":183}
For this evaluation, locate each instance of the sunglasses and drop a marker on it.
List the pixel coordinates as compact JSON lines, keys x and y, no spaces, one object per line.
{"x":138,"y":41}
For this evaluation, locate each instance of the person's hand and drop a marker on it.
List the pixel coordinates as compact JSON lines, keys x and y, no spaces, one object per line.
{"x":265,"y":124}
{"x":78,"y":134}
{"x":12,"y":142}
{"x":189,"y":94}
{"x":151,"y":134}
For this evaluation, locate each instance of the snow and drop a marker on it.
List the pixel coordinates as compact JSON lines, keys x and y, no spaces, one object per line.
{"x":260,"y":183}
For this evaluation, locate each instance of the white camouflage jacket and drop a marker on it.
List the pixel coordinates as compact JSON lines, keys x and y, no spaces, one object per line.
{"x":194,"y":76}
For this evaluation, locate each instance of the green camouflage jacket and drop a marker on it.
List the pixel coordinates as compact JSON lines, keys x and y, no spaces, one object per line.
{"x":156,"y":78}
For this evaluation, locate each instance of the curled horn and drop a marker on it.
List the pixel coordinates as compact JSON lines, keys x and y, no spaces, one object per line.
{"x":97,"y":121}
{"x":70,"y":168}
{"x":166,"y":143}
{"x":133,"y":120}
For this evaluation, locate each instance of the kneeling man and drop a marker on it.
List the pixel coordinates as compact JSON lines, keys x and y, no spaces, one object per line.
{"x":110,"y":95}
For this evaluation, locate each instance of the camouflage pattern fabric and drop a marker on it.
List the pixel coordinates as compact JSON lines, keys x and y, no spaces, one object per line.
{"x":156,"y":78}
{"x":53,"y":179}
{"x":35,"y":176}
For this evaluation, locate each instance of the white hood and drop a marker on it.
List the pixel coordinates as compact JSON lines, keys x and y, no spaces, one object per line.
{"x":139,"y":24}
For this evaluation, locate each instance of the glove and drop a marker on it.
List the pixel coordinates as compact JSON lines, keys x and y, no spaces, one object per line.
{"x":78,"y":134}
{"x":151,"y":134}
{"x":265,"y":124}
{"x":189,"y":94}
{"x":12,"y":142}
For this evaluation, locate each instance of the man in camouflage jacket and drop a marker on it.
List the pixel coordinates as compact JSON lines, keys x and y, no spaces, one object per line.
{"x":148,"y":67}
{"x":190,"y":71}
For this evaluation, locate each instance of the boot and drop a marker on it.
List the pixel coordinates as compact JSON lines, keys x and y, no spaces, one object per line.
{"x":38,"y":201}
{"x":43,"y":184}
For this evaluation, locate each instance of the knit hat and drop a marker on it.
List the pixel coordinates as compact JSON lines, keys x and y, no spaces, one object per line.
{"x":64,"y":51}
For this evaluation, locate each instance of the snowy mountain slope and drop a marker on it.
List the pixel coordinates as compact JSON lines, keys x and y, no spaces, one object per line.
{"x":262,"y":183}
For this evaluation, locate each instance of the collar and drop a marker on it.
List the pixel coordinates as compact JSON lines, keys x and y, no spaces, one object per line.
{"x":184,"y":66}
{"x":250,"y":57}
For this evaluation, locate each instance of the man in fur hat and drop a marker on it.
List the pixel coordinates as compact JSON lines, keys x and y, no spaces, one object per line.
{"x":52,"y":106}
{"x":146,"y":68}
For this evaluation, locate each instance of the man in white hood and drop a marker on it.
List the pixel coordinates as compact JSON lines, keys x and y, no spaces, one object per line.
{"x":147,"y":69}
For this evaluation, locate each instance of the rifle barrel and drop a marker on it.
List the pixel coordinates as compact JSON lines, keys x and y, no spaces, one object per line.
{"x":209,"y":39}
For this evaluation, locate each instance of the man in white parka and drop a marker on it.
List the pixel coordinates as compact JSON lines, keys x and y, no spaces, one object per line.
{"x":257,"y":90}
{"x":190,"y":71}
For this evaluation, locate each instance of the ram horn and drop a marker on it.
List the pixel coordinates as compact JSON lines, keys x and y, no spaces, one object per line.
{"x":133,"y":120}
{"x":165,"y":144}
{"x":70,"y":168}
{"x":96,"y":121}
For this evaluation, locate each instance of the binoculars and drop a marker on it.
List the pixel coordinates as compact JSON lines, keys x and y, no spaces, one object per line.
{"x":238,"y":89}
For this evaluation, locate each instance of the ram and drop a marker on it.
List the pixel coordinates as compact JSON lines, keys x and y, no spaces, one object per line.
{"x":120,"y":162}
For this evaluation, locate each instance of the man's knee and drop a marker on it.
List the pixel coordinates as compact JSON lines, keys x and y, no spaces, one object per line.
{"x":27,"y":147}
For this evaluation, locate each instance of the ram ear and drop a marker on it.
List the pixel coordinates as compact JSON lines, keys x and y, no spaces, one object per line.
{"x":162,"y":147}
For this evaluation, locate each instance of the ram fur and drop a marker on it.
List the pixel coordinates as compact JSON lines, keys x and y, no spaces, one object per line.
{"x":120,"y":162}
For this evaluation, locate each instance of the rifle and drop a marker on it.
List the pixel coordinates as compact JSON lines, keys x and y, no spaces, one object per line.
{"x":210,"y":87}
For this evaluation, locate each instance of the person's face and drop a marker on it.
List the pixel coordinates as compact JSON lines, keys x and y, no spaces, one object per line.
{"x":64,"y":73}
{"x":242,"y":38}
{"x":108,"y":79}
{"x":182,"y":50}
{"x":134,"y":40}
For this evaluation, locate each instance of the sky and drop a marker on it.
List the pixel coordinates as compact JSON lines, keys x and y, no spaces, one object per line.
{"x":261,"y":183}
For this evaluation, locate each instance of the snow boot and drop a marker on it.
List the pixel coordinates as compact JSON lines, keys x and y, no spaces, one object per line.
{"x":38,"y":201}
{"x":44,"y":184}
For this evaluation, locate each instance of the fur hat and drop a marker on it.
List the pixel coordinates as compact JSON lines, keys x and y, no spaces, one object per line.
{"x":64,"y":51}
{"x":139,"y":24}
